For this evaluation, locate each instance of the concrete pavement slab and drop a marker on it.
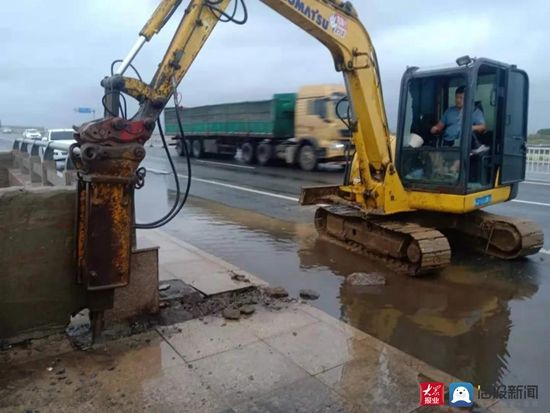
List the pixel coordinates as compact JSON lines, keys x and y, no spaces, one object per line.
{"x":202,"y":338}
{"x":328,"y":319}
{"x":107,"y":376}
{"x":303,"y":396}
{"x":203,"y":271}
{"x":248,"y":372}
{"x":170,"y":256}
{"x":269,"y":323}
{"x":316,"y":347}
{"x":179,"y":390}
{"x":374,"y":381}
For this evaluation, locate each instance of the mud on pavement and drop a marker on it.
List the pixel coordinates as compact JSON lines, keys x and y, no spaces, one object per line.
{"x":179,"y":302}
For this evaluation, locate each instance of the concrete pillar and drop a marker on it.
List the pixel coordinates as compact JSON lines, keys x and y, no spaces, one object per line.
{"x":24,"y":157}
{"x":70,"y":177}
{"x":35,"y":164}
{"x":17,"y":159}
{"x":47,"y":166}
{"x":6,"y":162}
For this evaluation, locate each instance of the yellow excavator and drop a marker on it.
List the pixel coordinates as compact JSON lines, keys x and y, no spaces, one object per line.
{"x":402,"y":200}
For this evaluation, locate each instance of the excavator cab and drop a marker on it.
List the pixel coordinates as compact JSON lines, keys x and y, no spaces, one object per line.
{"x":495,"y":93}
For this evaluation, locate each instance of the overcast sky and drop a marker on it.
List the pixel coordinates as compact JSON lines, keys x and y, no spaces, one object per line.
{"x":54,"y":53}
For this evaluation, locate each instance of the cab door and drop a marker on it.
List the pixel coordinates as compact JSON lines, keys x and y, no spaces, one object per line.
{"x":514,"y":128}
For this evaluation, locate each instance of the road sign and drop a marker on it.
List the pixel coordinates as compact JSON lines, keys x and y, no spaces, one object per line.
{"x":84,"y":110}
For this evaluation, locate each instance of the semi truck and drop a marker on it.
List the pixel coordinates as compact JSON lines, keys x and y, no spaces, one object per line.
{"x":301,"y":128}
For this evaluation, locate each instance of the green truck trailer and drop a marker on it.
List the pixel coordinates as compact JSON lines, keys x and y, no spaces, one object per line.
{"x":298,"y":128}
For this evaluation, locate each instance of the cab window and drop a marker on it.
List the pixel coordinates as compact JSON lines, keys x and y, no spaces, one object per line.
{"x":318,"y":107}
{"x":426,"y":160}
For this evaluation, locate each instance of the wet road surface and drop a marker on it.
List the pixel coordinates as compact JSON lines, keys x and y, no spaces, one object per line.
{"x":483,"y":320}
{"x":274,"y":191}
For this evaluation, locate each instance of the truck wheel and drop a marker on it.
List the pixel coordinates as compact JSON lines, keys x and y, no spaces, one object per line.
{"x":264,"y":153}
{"x":197,"y":148}
{"x":307,"y":158}
{"x":248,"y":153}
{"x":179,"y":147}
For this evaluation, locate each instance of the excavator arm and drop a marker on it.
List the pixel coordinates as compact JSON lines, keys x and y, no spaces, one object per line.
{"x":111,"y":149}
{"x":193,"y":31}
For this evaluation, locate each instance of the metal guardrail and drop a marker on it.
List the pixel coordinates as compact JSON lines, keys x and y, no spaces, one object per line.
{"x":538,"y":160}
{"x":38,"y":159}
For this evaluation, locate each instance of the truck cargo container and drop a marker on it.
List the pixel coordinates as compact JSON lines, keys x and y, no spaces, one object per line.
{"x":297,"y":128}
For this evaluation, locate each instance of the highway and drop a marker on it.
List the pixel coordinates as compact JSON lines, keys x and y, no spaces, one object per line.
{"x":274,"y":191}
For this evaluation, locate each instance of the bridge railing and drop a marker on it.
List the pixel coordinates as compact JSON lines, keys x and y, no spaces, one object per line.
{"x":538,"y":162}
{"x":46,"y":162}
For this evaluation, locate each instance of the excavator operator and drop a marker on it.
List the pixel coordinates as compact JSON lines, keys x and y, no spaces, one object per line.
{"x":451,"y":124}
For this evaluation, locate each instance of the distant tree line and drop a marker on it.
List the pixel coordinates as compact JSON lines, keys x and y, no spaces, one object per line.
{"x":542,"y":137}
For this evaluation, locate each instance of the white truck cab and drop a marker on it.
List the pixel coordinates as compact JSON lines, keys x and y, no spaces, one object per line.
{"x":62,"y":136}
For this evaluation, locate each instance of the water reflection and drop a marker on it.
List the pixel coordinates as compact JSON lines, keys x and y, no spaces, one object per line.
{"x":458,"y":320}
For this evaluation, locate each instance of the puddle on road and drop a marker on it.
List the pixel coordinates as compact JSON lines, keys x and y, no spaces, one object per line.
{"x":484,"y":321}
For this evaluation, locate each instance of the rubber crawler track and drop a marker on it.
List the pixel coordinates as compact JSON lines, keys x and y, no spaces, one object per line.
{"x":505,"y":237}
{"x":408,"y":247}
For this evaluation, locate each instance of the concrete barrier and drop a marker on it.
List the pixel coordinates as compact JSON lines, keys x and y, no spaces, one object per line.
{"x":6,"y":163}
{"x":38,"y":291}
{"x":38,"y":284}
{"x":34,"y":162}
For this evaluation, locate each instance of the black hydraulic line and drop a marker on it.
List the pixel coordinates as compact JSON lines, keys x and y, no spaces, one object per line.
{"x":224,"y":17}
{"x":188,"y":160}
{"x":346,"y":121}
{"x":114,"y":62}
{"x":124,"y":107}
{"x":177,"y":206}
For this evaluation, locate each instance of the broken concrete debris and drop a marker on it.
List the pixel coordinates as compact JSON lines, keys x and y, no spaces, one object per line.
{"x":239,"y":277}
{"x":247,"y":309}
{"x":276,"y":292}
{"x":365,"y":279}
{"x":164,"y":287}
{"x":309,"y":294}
{"x":231,"y":313}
